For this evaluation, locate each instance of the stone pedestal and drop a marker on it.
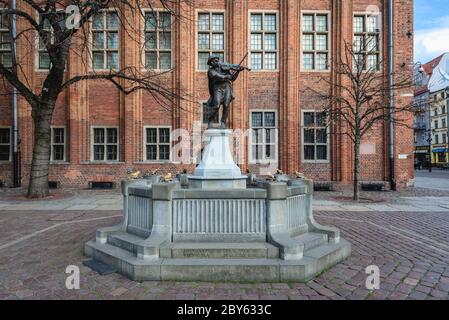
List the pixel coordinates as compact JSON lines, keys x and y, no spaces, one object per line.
{"x":218,"y":169}
{"x":217,"y":229}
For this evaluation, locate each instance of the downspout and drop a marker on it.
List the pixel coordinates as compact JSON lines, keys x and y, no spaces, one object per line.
{"x":16,"y":156}
{"x":391,"y":97}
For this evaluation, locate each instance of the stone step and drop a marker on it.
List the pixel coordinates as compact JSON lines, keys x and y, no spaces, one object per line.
{"x":312,"y":240}
{"x":236,"y":270}
{"x":124,"y":240}
{"x":220,"y":251}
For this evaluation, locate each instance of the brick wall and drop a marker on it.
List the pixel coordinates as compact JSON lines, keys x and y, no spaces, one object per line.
{"x":99,"y":103}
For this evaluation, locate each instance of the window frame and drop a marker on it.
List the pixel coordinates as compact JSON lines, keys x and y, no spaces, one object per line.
{"x":263,"y":31}
{"x":52,"y":143}
{"x":210,"y":32}
{"x":314,"y":32}
{"x":263,"y":161}
{"x":315,"y":161}
{"x":104,"y":50}
{"x":92,"y":144}
{"x":157,"y":30}
{"x":38,"y":51}
{"x":10,"y":144}
{"x":145,"y":144}
{"x":365,"y":33}
{"x":4,"y":51}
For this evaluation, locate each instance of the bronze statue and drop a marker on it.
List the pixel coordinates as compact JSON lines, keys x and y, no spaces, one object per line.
{"x":221,"y":75}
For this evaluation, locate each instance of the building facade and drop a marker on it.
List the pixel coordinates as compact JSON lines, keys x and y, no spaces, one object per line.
{"x":438,"y":88}
{"x":439,"y":126}
{"x":98,"y":133}
{"x":422,"y":73}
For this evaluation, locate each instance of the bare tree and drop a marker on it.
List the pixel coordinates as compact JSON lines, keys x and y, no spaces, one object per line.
{"x":358,"y":98}
{"x":62,"y":32}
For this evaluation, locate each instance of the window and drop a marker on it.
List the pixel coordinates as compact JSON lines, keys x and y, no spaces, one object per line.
{"x":158,"y":40}
{"x":43,"y":59}
{"x":105,"y":144}
{"x":5,"y":42}
{"x":157,"y":144}
{"x":437,"y":139}
{"x":5,"y":144}
{"x":444,"y":138}
{"x":443,"y":109}
{"x":263,"y":139}
{"x":315,"y":41}
{"x":435,"y":113}
{"x":435,"y":123}
{"x":263,"y":41}
{"x":58,"y":143}
{"x":314,"y":135}
{"x":366,"y":42}
{"x":443,"y":123}
{"x":211,"y":37}
{"x":105,"y":40}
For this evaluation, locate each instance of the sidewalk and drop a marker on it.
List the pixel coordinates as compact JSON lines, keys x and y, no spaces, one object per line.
{"x":111,"y":201}
{"x":401,"y":204}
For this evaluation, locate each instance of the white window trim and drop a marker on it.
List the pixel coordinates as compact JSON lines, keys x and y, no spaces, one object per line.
{"x":10,"y":145}
{"x":145,"y":160}
{"x":250,"y":138}
{"x":329,"y":40}
{"x":302,"y":140}
{"x":90,"y":45}
{"x":105,"y":137}
{"x":380,"y":21}
{"x":197,"y":12}
{"x":172,"y":31}
{"x":52,"y":143}
{"x":36,"y":43}
{"x":278,"y":33}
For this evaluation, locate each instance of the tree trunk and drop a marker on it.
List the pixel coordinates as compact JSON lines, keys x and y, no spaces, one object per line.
{"x":356,"y":196}
{"x":38,"y":186}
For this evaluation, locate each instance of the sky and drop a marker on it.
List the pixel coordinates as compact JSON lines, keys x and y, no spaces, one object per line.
{"x":431,"y":29}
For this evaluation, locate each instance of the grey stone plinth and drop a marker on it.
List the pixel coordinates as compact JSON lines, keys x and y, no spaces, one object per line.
{"x":217,"y":183}
{"x":209,"y":233}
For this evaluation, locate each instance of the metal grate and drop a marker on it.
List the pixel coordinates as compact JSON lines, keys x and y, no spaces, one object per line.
{"x":101,"y":185}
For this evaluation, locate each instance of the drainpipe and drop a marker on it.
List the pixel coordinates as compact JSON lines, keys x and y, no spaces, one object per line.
{"x":391,"y":97}
{"x":16,"y":155}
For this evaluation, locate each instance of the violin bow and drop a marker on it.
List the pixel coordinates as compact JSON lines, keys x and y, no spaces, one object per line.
{"x":243,"y":59}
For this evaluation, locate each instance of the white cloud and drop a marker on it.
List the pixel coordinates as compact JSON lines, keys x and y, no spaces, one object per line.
{"x":430,"y":43}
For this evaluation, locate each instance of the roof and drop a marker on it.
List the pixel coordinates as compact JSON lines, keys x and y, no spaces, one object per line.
{"x":439,"y":78}
{"x":432,"y":64}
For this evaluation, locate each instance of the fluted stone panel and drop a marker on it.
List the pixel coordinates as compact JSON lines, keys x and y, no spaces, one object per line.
{"x":140,"y":220}
{"x":220,"y":219}
{"x":297,"y":213}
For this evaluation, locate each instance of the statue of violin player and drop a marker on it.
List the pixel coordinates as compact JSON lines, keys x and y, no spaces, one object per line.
{"x":221,"y":76}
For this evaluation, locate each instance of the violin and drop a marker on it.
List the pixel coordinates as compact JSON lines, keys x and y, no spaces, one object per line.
{"x":230,"y":66}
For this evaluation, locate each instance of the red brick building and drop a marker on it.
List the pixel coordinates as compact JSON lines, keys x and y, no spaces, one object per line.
{"x":98,"y":132}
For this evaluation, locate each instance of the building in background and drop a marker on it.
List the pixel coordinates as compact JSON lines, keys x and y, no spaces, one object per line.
{"x":439,"y":102}
{"x":422,"y":74}
{"x":98,"y":133}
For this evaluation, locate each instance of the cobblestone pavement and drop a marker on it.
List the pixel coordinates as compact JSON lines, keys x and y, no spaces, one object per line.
{"x":410,"y":248}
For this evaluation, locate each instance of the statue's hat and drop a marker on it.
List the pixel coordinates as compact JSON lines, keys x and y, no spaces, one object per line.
{"x":212,"y":57}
